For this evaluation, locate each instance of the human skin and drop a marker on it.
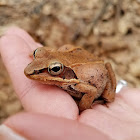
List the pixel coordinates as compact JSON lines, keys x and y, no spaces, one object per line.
{"x":50,"y":108}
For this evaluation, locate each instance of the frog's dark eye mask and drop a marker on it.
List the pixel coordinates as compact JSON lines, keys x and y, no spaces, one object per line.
{"x":56,"y":69}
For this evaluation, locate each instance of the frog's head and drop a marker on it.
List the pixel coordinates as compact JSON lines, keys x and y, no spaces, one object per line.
{"x":50,"y":69}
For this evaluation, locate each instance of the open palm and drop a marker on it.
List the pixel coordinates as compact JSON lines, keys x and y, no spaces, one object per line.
{"x":119,"y":121}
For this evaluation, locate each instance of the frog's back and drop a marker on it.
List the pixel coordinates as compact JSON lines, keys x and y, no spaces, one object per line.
{"x":75,"y":56}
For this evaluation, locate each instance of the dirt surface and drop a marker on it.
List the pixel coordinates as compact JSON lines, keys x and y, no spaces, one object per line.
{"x":107,"y":28}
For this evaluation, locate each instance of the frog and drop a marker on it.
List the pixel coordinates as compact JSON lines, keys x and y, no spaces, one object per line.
{"x":86,"y":77}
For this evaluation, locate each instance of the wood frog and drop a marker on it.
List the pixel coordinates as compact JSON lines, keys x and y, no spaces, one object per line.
{"x":85,"y":77}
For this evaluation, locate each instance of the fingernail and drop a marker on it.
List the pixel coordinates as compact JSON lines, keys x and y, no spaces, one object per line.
{"x":120,"y":85}
{"x":7,"y":133}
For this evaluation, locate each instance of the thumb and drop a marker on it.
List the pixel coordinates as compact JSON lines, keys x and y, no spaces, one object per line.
{"x":25,"y":126}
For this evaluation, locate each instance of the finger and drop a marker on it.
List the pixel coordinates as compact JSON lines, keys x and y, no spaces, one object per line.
{"x":22,"y":34}
{"x":35,"y":97}
{"x":37,"y":126}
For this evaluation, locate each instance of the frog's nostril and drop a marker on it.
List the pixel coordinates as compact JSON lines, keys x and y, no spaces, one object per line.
{"x":36,"y":72}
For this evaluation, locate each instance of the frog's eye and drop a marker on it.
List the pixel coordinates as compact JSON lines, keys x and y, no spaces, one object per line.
{"x":55,"y":68}
{"x":34,"y":53}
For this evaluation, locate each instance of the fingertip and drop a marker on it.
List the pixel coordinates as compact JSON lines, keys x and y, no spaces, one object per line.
{"x":14,"y":30}
{"x":11,"y":46}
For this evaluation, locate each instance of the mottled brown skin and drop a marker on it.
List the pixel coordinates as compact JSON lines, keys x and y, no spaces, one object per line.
{"x":85,"y":77}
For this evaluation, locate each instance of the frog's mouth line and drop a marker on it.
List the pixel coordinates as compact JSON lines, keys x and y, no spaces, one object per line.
{"x":67,"y":77}
{"x":54,"y":80}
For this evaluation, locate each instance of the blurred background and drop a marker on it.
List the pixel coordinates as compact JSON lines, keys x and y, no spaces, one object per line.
{"x":107,"y":28}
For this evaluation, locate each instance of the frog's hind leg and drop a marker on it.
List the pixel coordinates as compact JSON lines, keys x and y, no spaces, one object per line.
{"x":111,"y":76}
{"x":109,"y":91}
{"x":108,"y":95}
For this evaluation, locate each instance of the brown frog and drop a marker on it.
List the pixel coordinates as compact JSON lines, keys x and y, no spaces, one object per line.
{"x":85,"y":77}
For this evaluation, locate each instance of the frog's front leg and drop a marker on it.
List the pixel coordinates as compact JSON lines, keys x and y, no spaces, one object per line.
{"x":90,"y":93}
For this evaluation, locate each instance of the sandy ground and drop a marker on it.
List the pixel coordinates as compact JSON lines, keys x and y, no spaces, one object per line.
{"x":107,"y":28}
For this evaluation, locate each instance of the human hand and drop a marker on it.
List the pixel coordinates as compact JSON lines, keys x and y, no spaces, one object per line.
{"x":52,"y":113}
